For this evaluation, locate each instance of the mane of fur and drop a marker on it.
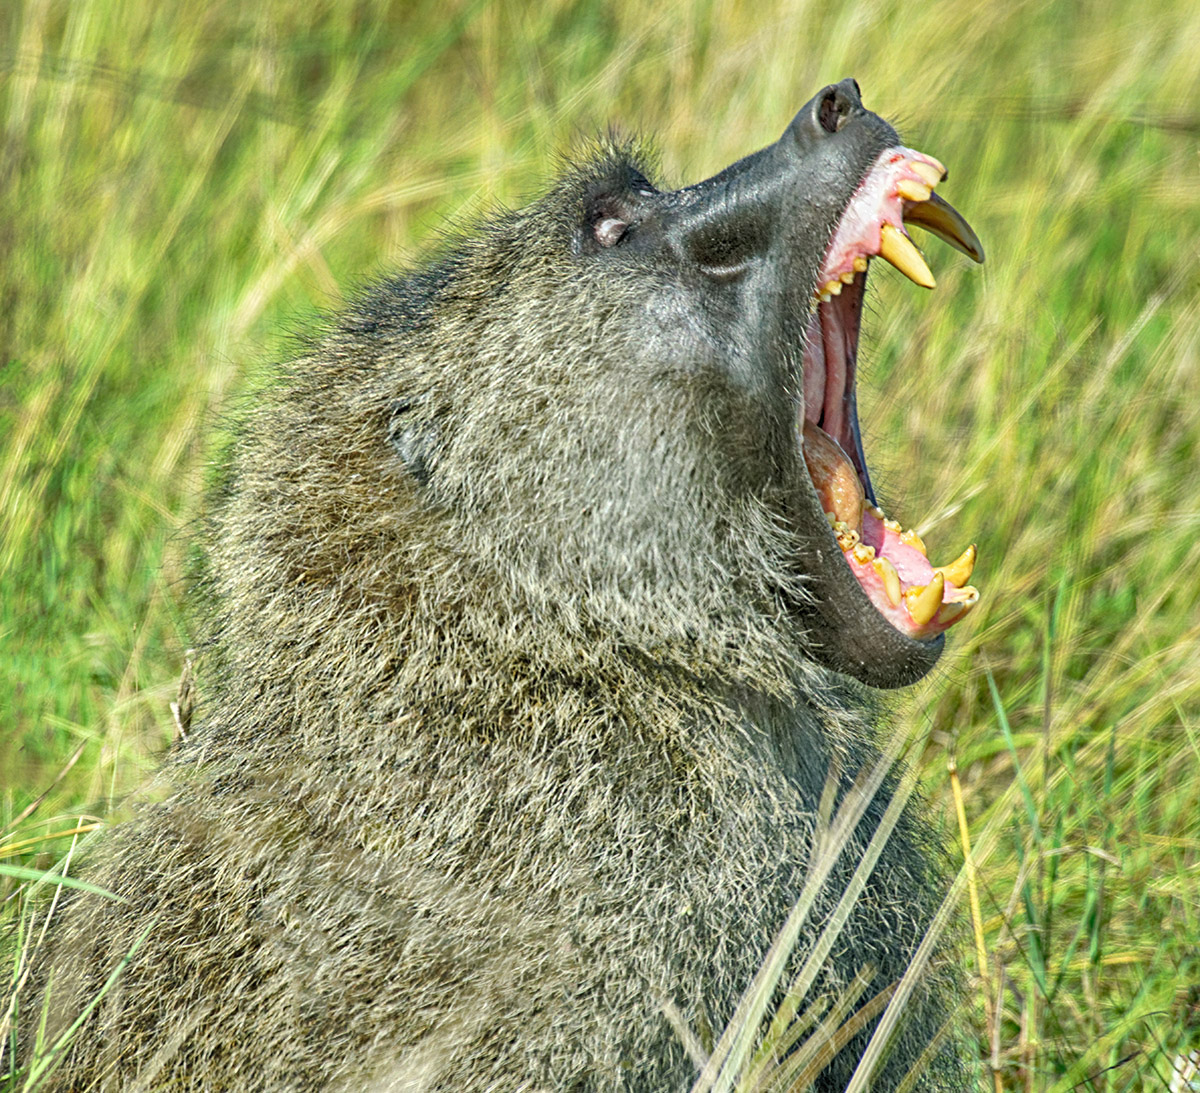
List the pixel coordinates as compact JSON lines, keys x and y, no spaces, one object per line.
{"x":487,"y":767}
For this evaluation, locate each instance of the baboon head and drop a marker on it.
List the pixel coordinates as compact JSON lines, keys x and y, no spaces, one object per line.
{"x":753,"y":249}
{"x":632,"y":404}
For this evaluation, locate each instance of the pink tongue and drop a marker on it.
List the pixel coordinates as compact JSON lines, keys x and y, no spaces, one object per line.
{"x":910,"y":563}
{"x":836,"y":481}
{"x":887,"y":562}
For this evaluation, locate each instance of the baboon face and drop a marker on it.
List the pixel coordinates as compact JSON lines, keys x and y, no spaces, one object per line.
{"x":652,"y":359}
{"x":744,"y":257}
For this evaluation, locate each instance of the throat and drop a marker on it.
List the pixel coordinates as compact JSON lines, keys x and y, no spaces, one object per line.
{"x":830,"y":366}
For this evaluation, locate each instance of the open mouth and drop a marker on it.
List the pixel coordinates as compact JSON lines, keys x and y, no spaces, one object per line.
{"x":891,"y":564}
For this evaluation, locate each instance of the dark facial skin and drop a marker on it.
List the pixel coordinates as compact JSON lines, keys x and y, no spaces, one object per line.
{"x":743,"y":252}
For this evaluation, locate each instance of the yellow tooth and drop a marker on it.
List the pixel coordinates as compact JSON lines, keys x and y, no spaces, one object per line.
{"x":947,"y":223}
{"x":927,"y":171}
{"x":912,"y":539}
{"x":950,"y":613}
{"x":890,"y":524}
{"x":968,"y":594}
{"x":959,"y":571}
{"x":891,"y":580}
{"x":896,"y":247}
{"x":846,"y":277}
{"x":923,"y":602}
{"x":913,"y":191}
{"x":860,"y":264}
{"x":831,"y":518}
{"x":864,"y":554}
{"x":834,"y":288}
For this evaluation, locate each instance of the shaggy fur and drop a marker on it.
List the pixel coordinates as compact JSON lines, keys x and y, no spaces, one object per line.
{"x":508,"y":732}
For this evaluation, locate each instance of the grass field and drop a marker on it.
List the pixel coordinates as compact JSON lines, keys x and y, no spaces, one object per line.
{"x":183,"y":185}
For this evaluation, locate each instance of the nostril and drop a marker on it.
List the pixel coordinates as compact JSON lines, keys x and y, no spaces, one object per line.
{"x":829,"y":111}
{"x":836,"y":106}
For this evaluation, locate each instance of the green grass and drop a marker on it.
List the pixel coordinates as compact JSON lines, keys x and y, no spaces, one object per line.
{"x":180,"y":187}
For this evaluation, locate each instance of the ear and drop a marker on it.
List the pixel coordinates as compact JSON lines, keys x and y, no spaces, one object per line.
{"x":414,"y":439}
{"x":614,"y":205}
{"x":609,"y":230}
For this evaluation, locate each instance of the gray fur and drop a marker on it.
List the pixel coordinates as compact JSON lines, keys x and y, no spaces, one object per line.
{"x":509,"y":724}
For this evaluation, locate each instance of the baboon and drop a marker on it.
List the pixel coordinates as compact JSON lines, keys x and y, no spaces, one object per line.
{"x":540,"y":595}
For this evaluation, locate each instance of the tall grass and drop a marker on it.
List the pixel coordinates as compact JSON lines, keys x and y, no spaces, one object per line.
{"x":180,"y":186}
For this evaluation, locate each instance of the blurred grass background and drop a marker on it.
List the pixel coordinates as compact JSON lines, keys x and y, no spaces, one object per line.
{"x":182,"y":185}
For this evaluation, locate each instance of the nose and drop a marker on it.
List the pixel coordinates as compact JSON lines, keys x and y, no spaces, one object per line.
{"x":825,"y":113}
{"x":781,"y":190}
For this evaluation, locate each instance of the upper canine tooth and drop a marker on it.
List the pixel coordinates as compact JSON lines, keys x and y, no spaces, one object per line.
{"x":947,"y":223}
{"x":896,"y":247}
{"x":913,"y":191}
{"x":924,"y":601}
{"x":959,"y":571}
{"x":927,"y":171}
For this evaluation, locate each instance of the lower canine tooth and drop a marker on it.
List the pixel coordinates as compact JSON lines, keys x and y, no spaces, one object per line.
{"x":959,"y":571}
{"x":923,"y":602}
{"x":891,"y":580}
{"x":896,"y":247}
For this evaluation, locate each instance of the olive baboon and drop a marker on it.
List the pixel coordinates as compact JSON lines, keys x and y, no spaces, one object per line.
{"x":529,"y":600}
